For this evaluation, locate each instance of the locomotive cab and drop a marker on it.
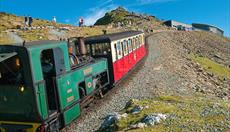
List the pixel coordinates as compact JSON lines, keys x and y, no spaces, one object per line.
{"x":40,"y":91}
{"x":28,"y":92}
{"x":17,"y":102}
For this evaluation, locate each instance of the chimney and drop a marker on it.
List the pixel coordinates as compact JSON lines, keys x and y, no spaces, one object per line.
{"x":82,"y":47}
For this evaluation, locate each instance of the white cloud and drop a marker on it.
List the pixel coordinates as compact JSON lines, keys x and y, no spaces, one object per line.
{"x":99,"y":11}
{"x":147,"y":2}
{"x":91,"y":19}
{"x":144,"y":2}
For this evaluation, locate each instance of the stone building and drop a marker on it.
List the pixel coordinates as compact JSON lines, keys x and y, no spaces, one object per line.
{"x":178,"y":25}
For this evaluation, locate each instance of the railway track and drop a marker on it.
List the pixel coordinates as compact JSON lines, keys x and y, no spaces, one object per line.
{"x":97,"y":101}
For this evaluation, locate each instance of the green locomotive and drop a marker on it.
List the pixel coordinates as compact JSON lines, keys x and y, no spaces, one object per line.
{"x":42,"y":86}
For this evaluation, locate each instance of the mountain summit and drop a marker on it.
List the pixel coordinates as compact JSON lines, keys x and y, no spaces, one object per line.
{"x":114,"y":16}
{"x":120,"y":17}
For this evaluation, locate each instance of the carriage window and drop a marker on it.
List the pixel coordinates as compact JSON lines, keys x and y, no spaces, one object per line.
{"x":141,"y":37}
{"x":100,"y":49}
{"x":115,"y":47}
{"x":88,"y":49}
{"x":93,"y":49}
{"x":141,"y":40}
{"x":119,"y":48}
{"x":125,"y":47}
{"x":130,"y":45}
{"x":122,"y":48}
{"x":134,"y":43}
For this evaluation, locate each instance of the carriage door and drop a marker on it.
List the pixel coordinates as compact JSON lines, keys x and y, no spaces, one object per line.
{"x":49,"y":73}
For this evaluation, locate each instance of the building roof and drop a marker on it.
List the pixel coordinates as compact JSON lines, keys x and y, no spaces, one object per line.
{"x":205,"y":25}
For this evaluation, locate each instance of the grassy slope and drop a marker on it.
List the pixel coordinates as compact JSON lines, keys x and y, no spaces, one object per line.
{"x":213,"y":67}
{"x":184,"y":114}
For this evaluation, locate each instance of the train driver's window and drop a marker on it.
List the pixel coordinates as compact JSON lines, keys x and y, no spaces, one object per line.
{"x":11,"y":70}
{"x":130,"y":45}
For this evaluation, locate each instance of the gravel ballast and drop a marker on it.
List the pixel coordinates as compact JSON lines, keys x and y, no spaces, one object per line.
{"x":166,"y":70}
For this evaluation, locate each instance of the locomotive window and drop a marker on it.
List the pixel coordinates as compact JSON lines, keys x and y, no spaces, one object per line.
{"x":16,"y":97}
{"x":47,"y":62}
{"x":11,"y":71}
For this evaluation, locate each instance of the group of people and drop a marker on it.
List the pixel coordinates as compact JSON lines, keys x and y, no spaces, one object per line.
{"x":28,"y":21}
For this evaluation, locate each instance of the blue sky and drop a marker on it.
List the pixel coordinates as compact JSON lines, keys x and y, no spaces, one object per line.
{"x":214,"y":12}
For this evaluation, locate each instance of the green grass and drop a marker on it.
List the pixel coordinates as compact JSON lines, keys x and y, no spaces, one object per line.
{"x":33,"y":35}
{"x":184,"y":114}
{"x":211,"y":66}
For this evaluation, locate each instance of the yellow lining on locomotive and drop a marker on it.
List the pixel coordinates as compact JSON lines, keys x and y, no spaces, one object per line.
{"x":33,"y":129}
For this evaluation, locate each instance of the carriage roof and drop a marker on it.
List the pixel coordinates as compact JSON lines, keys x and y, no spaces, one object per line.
{"x":111,"y":37}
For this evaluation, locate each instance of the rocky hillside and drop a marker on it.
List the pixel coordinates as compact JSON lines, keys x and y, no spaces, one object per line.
{"x":13,"y":30}
{"x":125,"y":19}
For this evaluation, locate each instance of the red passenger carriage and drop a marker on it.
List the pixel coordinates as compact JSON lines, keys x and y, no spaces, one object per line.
{"x":123,"y":51}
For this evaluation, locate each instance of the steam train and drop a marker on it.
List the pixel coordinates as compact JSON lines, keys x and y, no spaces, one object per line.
{"x":43,"y":84}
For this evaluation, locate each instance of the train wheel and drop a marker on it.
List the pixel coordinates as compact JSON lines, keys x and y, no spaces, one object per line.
{"x":82,"y":92}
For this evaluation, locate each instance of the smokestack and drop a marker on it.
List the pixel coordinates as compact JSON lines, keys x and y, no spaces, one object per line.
{"x":82,"y":47}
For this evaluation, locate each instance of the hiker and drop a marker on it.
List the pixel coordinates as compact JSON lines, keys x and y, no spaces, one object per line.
{"x":26,"y":21}
{"x":54,"y":21}
{"x":81,"y":22}
{"x":30,"y":21}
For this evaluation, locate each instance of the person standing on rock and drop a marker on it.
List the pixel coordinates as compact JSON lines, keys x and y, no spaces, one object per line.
{"x":30,"y":21}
